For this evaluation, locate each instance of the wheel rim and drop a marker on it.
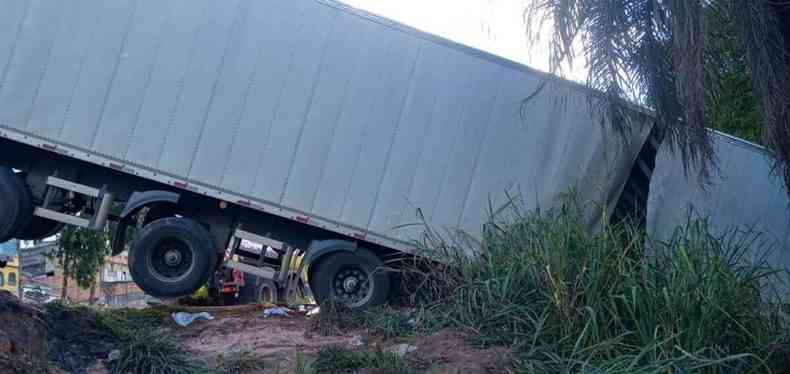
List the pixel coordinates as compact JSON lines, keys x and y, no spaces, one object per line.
{"x":171,"y":260}
{"x":353,"y":286}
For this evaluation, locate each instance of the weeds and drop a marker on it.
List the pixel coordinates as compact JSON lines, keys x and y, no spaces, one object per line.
{"x":153,"y":351}
{"x":145,"y":347}
{"x":123,"y":321}
{"x":335,"y":359}
{"x":567,"y":301}
{"x":241,"y":362}
{"x":385,"y":321}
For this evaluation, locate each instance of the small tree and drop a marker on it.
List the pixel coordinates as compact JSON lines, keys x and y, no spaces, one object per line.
{"x":80,"y":253}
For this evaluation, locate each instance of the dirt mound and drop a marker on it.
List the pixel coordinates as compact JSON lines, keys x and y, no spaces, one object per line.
{"x":77,"y":339}
{"x":277,"y":339}
{"x":22,"y":331}
{"x":450,"y":352}
{"x":51,"y":339}
{"x":280,"y":341}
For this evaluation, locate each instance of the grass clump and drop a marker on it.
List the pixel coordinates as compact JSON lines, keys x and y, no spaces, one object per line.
{"x":567,"y":301}
{"x":241,"y":362}
{"x":145,"y":347}
{"x":123,"y":321}
{"x":336,"y":359}
{"x":335,"y":318}
{"x":153,"y":351}
{"x":384,"y":321}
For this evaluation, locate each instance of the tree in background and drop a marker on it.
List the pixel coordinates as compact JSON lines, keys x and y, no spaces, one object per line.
{"x":663,"y":54}
{"x":81,"y":253}
{"x":734,"y":109}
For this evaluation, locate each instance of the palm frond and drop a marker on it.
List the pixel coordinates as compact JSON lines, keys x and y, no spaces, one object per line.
{"x":766,"y":34}
{"x":654,"y":52}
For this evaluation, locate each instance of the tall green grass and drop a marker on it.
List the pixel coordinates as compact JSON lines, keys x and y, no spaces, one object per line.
{"x":568,"y":301}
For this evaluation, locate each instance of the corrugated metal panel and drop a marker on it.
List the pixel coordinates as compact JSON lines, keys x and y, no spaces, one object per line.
{"x":300,"y":107}
{"x":98,"y":71}
{"x":132,"y":78}
{"x":28,"y":60}
{"x":166,"y":81}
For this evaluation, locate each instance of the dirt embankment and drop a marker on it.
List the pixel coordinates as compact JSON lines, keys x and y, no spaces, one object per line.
{"x":23,"y":333}
{"x":57,"y":339}
{"x":282,"y":340}
{"x":54,"y":339}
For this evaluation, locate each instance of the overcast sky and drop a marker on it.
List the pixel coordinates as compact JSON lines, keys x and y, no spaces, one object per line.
{"x":496,"y":26}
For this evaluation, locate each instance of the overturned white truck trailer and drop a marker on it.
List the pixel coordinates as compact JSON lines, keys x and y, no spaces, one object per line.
{"x":744,"y":202}
{"x":304,"y":125}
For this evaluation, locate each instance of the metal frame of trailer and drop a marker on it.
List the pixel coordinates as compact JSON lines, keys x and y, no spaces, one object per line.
{"x":284,"y":276}
{"x":211,"y":191}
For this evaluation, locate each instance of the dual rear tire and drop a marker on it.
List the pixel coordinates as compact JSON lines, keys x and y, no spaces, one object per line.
{"x":16,"y":205}
{"x":16,"y":211}
{"x":356,"y":279}
{"x":172,"y":257}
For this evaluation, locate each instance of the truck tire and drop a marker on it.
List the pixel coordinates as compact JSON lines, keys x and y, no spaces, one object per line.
{"x":40,"y":228}
{"x":16,"y":206}
{"x":258,"y":291}
{"x":172,"y":257}
{"x":356,"y":279}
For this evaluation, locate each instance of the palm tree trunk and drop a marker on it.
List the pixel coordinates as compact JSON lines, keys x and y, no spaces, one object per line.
{"x":64,"y":291}
{"x":92,"y":297}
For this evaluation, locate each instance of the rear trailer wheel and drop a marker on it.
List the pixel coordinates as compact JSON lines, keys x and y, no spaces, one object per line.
{"x":16,"y":207}
{"x":258,"y":290}
{"x":266,"y":292}
{"x":356,"y":279}
{"x":172,"y":257}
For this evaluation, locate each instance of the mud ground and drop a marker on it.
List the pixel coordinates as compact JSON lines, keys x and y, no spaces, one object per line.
{"x":72,"y":341}
{"x":279,"y":339}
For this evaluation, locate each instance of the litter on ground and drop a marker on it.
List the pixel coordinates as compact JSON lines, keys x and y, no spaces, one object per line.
{"x":184,"y":319}
{"x":275,"y":312}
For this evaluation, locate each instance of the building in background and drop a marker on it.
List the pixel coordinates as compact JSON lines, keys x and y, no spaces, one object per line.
{"x":34,"y":260}
{"x":36,"y":268}
{"x":117,"y":287}
{"x":9,"y":276}
{"x":43,"y":280}
{"x":9,"y":272}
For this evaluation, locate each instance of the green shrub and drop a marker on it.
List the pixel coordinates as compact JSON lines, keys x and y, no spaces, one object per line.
{"x":568,"y":301}
{"x":145,"y":346}
{"x":155,"y":352}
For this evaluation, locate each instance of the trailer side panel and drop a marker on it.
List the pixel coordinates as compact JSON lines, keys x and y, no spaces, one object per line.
{"x":305,"y":109}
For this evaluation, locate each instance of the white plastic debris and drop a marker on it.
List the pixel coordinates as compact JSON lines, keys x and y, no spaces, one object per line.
{"x":314,"y":311}
{"x":184,"y":319}
{"x":357,"y":341}
{"x":275,"y":312}
{"x":402,"y":349}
